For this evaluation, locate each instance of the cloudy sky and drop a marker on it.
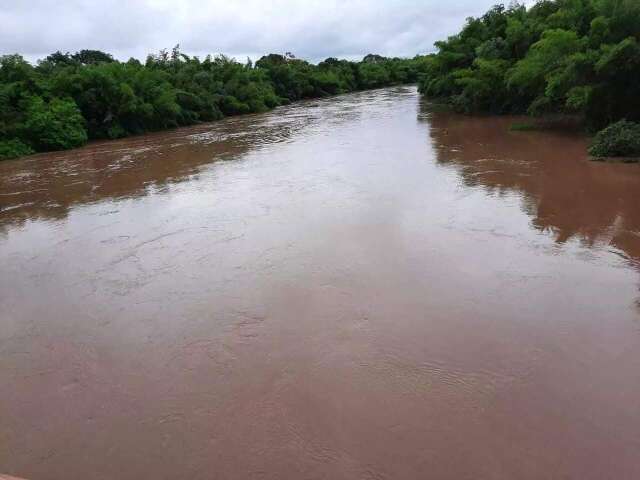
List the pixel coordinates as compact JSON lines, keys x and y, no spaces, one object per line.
{"x":311,"y":29}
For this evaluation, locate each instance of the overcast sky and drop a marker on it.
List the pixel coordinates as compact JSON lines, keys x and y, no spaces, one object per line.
{"x":311,"y":29}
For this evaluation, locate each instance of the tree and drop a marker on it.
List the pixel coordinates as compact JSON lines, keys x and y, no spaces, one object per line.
{"x":67,"y":99}
{"x":559,"y":56}
{"x":56,"y":125}
{"x":88,"y":57}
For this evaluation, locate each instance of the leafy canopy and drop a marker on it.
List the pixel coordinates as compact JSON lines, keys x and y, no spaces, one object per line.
{"x":578,"y":57}
{"x":67,"y":99}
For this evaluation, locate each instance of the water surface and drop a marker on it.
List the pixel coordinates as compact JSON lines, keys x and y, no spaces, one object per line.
{"x":361,"y":287}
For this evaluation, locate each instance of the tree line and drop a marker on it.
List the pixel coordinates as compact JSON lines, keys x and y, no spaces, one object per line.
{"x":67,"y":99}
{"x":568,"y":57}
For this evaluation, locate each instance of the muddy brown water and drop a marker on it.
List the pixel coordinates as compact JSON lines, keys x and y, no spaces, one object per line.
{"x":360,"y":287}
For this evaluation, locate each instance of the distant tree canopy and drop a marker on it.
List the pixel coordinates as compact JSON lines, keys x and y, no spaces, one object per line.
{"x":67,"y":99}
{"x":562,"y":56}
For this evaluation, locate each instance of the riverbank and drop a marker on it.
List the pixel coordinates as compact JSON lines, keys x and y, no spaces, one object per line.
{"x":551,"y":58}
{"x":67,"y":100}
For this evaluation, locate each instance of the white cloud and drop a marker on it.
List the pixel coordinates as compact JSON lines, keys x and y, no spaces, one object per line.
{"x":312,"y":29}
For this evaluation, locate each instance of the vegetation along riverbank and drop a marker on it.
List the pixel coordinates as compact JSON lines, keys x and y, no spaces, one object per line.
{"x":67,"y":99}
{"x":573,"y":58}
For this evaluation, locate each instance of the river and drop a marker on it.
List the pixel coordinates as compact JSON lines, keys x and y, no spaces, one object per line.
{"x":359,"y":287}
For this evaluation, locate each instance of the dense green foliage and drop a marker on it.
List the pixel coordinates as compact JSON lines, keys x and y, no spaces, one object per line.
{"x":67,"y":99}
{"x":621,"y":139}
{"x":13,"y":148}
{"x":577,"y":57}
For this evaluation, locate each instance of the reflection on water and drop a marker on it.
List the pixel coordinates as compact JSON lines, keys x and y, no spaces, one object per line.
{"x":564,"y":193}
{"x":48,"y":185}
{"x":330,"y":290}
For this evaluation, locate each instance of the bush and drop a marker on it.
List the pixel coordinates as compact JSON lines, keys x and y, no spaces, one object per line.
{"x":621,"y":139}
{"x":13,"y":148}
{"x":57,"y":125}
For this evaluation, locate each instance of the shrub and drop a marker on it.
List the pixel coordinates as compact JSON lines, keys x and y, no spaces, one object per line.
{"x":13,"y":148}
{"x":620,"y":139}
{"x":57,"y":125}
